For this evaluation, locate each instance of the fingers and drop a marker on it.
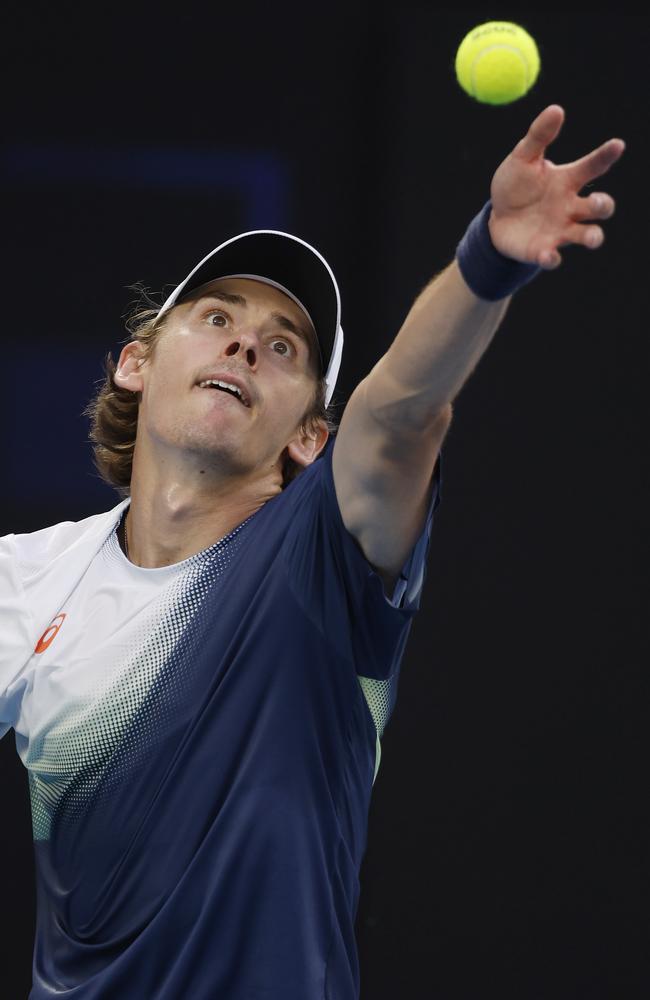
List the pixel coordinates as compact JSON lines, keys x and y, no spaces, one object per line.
{"x":596,"y":163}
{"x":588,"y":236}
{"x":549,"y":259}
{"x":544,"y":129}
{"x":598,"y":205}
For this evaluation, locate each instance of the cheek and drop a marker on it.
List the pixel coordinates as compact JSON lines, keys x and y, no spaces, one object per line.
{"x":165,"y":386}
{"x":298,"y":400}
{"x":162,"y":386}
{"x":176,"y":358}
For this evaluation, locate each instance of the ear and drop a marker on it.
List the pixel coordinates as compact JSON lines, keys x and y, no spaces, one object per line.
{"x":130,"y":361}
{"x":308,"y":443}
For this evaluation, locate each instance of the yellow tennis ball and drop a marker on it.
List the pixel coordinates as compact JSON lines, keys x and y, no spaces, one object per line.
{"x":497,"y":62}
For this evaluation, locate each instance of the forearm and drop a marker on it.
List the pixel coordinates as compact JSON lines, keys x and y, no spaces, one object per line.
{"x":440,"y":343}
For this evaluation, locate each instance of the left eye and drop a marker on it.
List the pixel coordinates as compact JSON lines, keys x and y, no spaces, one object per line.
{"x":218,"y":318}
{"x":280,"y":347}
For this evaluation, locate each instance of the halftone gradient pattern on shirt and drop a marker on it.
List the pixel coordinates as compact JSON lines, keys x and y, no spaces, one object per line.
{"x":131,"y":702}
{"x":202,"y":740}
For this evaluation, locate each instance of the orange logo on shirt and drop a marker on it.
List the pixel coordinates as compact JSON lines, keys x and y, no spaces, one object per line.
{"x":49,"y":634}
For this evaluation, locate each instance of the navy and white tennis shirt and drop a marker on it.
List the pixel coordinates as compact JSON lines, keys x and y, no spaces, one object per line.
{"x":201,"y":742}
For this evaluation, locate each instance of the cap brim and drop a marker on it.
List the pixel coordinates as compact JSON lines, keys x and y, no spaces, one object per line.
{"x":284,"y":260}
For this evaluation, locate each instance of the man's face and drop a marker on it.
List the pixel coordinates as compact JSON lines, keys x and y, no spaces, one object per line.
{"x":253,"y":338}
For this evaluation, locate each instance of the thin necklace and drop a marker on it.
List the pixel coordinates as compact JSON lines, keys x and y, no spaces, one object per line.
{"x":126,"y":537}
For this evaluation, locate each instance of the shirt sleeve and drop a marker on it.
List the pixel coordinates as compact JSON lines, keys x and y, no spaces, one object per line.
{"x":16,"y":635}
{"x":337,"y":585}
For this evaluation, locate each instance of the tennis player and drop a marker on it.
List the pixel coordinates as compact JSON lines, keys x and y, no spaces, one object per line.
{"x":198,"y":679}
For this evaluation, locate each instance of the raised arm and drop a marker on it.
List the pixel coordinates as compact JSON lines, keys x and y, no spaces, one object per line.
{"x":397,"y":417}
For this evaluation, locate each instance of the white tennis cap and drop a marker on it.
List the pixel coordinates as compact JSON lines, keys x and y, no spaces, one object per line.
{"x":287,"y":263}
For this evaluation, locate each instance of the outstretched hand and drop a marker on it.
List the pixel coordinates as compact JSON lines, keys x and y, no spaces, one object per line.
{"x":536,"y":207}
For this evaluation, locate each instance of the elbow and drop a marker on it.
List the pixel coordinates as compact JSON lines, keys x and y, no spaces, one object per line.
{"x":444,"y":415}
{"x":439,"y":420}
{"x":398,"y":409}
{"x":429,"y":420}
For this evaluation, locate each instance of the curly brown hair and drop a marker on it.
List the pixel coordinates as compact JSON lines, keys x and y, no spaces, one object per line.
{"x":113,"y":411}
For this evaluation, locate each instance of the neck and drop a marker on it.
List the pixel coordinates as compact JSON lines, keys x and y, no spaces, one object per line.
{"x":171,"y":519}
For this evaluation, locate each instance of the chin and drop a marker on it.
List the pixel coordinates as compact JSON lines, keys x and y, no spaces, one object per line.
{"x":222,"y":455}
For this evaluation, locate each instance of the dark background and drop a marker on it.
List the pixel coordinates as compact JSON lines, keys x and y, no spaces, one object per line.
{"x":507,"y":851}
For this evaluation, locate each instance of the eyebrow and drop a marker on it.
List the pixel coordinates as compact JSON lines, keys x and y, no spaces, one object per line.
{"x":232,"y":298}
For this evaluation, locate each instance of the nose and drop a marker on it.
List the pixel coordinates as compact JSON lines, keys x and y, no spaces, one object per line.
{"x":243,"y":345}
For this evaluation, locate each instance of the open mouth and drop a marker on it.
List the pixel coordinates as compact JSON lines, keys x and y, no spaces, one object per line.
{"x":221,"y":386}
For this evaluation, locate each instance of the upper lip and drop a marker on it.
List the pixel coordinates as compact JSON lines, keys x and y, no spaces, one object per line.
{"x":246,"y":395}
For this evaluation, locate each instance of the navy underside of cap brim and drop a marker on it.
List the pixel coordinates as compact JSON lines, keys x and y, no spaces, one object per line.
{"x":286,"y":262}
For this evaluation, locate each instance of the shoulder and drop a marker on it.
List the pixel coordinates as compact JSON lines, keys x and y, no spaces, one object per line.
{"x":35,"y":549}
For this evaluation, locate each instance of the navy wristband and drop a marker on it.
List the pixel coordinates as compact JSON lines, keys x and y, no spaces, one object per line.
{"x":489,"y":274}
